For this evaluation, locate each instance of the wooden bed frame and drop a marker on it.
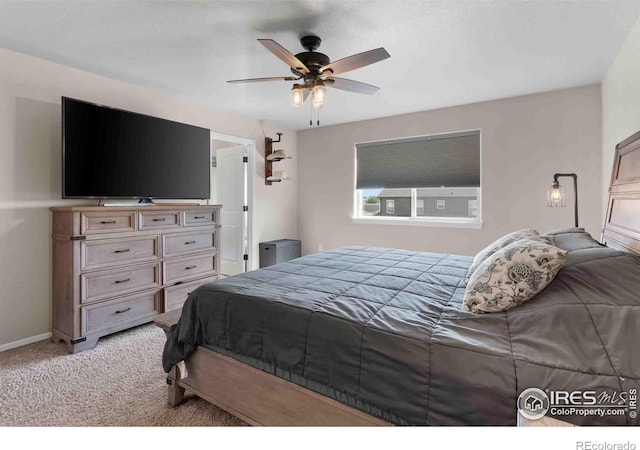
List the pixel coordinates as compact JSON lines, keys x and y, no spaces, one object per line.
{"x":622,"y":223}
{"x":255,"y":396}
{"x":260,"y":398}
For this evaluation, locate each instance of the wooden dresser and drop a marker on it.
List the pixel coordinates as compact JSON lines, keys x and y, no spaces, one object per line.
{"x":118,"y":267}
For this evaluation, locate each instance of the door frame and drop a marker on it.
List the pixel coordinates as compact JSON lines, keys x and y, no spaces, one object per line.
{"x":251,"y":192}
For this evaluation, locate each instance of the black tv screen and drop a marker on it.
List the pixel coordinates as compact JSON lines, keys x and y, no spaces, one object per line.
{"x":110,"y":153}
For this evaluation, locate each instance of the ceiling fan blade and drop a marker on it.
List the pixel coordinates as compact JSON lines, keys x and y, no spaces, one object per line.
{"x":352,"y":86}
{"x":356,"y":61}
{"x":284,"y":54}
{"x":256,"y":80}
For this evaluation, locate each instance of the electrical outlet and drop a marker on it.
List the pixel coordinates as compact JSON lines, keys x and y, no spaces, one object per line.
{"x":320,"y":247}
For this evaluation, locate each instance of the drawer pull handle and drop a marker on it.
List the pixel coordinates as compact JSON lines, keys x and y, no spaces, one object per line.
{"x":123,"y":310}
{"x":122,"y":251}
{"x":190,"y":267}
{"x":199,"y":217}
{"x":189,"y":242}
{"x":160,"y":220}
{"x":123,"y":281}
{"x":105,"y":222}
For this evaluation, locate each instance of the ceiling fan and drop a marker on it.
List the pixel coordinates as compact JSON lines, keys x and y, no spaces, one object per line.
{"x":315,"y":70}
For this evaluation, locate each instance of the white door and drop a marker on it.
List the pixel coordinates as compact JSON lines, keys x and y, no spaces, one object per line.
{"x":231,"y":195}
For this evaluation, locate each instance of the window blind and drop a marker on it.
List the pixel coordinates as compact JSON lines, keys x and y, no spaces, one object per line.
{"x":450,"y":160}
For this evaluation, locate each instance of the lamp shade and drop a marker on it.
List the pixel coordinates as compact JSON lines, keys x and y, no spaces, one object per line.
{"x":556,"y":195}
{"x":319,"y":96}
{"x":297,"y":96}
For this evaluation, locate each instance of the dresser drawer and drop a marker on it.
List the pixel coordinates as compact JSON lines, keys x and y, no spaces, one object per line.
{"x":151,"y":220}
{"x":109,"y":283}
{"x":195,"y":218}
{"x":175,"y":296}
{"x":183,"y":269}
{"x":107,"y":222}
{"x":188,"y":243}
{"x":109,"y":252}
{"x":104,"y":315}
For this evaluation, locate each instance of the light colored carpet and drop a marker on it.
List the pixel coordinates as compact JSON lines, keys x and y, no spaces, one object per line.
{"x":118,"y":383}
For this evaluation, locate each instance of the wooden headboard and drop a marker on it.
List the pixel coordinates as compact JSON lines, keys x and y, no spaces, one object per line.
{"x":622,"y":223}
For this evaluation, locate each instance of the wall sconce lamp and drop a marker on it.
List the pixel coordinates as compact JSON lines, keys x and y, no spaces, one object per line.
{"x":557,"y":196}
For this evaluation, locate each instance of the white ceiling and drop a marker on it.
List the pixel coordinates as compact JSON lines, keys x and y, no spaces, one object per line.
{"x":443,"y":53}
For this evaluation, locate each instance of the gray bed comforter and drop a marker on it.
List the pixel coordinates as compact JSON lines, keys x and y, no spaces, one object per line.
{"x":382,"y":330}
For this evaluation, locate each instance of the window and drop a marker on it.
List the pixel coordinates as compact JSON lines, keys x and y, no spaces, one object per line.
{"x":391,"y":207}
{"x":423,"y":179}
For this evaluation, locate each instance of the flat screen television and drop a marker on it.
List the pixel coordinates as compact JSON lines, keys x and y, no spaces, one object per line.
{"x":110,"y":153}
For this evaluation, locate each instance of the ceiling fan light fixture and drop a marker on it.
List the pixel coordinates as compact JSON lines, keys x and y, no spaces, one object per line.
{"x":319,"y":96}
{"x":297,"y":95}
{"x":316,"y":70}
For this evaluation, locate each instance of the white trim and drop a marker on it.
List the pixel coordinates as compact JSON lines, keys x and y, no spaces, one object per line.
{"x":251,"y":192}
{"x":408,"y":221}
{"x":25,"y":341}
{"x":230,"y":138}
{"x":414,"y":203}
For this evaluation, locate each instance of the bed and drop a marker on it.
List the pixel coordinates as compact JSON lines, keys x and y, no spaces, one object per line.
{"x":372,"y":336}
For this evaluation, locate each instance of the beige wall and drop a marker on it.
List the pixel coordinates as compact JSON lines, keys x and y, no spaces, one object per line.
{"x":620,"y":103}
{"x":30,"y":174}
{"x":525,"y":140}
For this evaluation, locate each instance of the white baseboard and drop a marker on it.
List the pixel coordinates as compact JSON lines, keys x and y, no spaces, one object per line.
{"x":25,"y":341}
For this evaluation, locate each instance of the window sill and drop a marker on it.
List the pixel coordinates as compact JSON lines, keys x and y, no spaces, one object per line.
{"x":407,"y":221}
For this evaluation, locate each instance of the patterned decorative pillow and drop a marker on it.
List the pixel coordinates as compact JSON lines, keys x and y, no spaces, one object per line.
{"x":497,"y":245}
{"x":512,"y":276}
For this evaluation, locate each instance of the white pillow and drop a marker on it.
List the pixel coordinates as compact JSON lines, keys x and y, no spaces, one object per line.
{"x":497,"y":245}
{"x":512,"y":276}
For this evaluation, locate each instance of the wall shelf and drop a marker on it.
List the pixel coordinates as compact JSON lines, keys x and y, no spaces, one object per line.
{"x":268,"y":165}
